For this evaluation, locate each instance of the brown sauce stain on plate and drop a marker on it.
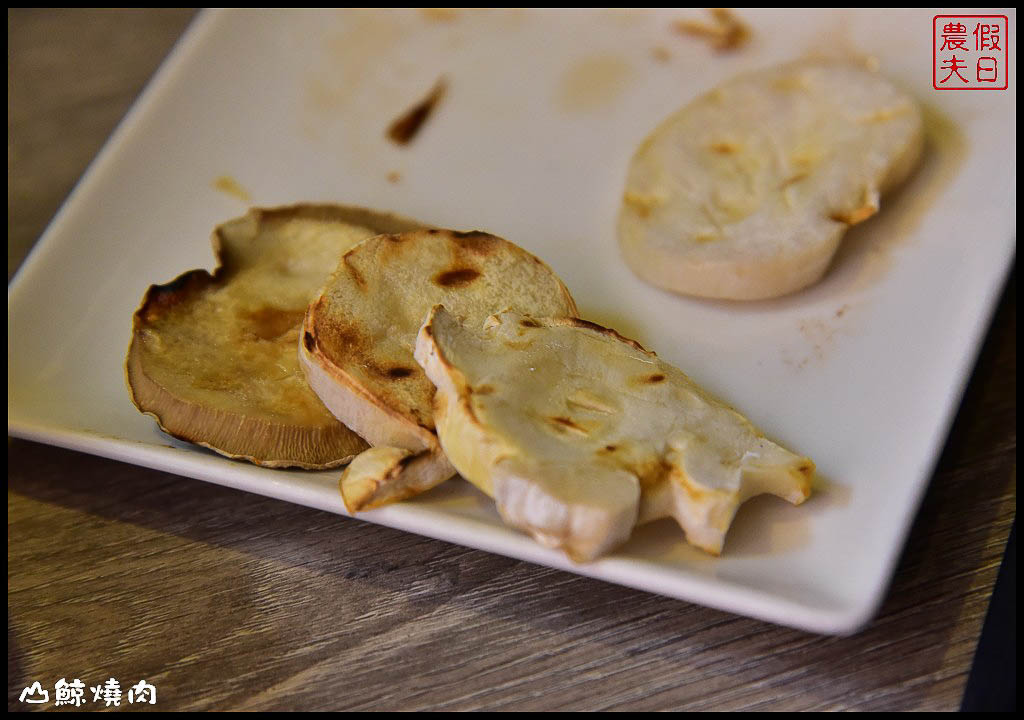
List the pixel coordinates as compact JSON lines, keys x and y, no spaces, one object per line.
{"x":351,"y":68}
{"x":406,"y":126}
{"x":593,"y":83}
{"x":661,"y":53}
{"x":229,"y":186}
{"x":439,"y":14}
{"x":902,"y":209}
{"x":725,"y":32}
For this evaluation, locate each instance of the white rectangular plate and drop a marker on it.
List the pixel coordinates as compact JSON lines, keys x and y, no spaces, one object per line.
{"x":862,"y":373}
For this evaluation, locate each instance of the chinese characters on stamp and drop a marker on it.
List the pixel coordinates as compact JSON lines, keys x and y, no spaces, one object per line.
{"x":970,"y":52}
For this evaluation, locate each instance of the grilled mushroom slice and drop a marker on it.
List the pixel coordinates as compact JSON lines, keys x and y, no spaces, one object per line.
{"x":359,"y":334}
{"x":213,"y":357}
{"x":579,"y":433}
{"x":746,"y":192}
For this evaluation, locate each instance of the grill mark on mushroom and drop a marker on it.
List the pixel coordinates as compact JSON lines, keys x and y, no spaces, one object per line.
{"x":475,"y":241}
{"x":580,"y":322}
{"x":794,"y":179}
{"x":351,"y":269}
{"x":564,"y":424}
{"x":584,"y":400}
{"x":270,"y":323}
{"x":852,"y":217}
{"x":459,"y":277}
{"x":724,"y":147}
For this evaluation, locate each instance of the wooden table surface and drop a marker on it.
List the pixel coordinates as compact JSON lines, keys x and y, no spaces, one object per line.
{"x":226,"y":600}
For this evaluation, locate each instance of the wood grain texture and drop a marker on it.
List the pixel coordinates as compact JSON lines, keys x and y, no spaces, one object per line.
{"x":226,"y":600}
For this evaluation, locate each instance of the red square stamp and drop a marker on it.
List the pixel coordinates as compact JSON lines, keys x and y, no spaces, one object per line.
{"x":970,"y":52}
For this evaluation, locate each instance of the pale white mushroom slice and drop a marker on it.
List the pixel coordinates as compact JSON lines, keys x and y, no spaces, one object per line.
{"x":359,"y":334}
{"x":579,"y":433}
{"x":383,"y":475}
{"x":213,"y":358}
{"x":746,"y":192}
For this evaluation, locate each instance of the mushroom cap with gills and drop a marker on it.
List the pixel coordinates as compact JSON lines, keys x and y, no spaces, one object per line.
{"x":213,"y":357}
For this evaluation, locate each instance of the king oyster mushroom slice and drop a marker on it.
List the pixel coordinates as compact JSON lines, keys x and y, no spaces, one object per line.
{"x":213,"y":358}
{"x":746,"y":192}
{"x":382,"y":475}
{"x":359,"y":335}
{"x":579,"y":433}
